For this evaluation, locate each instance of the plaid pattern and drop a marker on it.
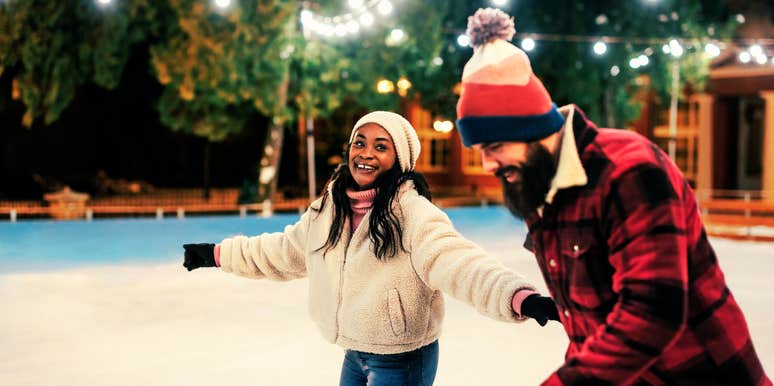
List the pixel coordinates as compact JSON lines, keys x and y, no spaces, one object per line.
{"x":638,"y":286}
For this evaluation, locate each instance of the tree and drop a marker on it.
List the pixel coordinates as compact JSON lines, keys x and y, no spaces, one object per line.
{"x":50,"y":48}
{"x":603,"y":85}
{"x":221,"y":67}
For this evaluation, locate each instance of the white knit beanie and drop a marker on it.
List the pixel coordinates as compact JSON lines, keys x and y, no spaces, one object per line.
{"x":403,"y":135}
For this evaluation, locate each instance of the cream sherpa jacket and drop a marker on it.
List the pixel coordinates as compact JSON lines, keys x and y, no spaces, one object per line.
{"x":362,"y":303}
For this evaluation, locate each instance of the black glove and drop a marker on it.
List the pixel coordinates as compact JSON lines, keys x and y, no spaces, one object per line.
{"x":199,"y":255}
{"x":540,"y":308}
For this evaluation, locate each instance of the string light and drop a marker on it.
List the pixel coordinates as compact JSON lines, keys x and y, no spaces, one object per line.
{"x":528,"y":44}
{"x":220,"y":3}
{"x":384,"y":7}
{"x":355,"y":4}
{"x":745,"y":57}
{"x":600,"y":48}
{"x":104,"y":2}
{"x":712,"y":50}
{"x":359,"y":17}
{"x":367,"y":19}
{"x":463,"y":40}
{"x":675,"y":48}
{"x":499,"y":3}
{"x":396,"y":37}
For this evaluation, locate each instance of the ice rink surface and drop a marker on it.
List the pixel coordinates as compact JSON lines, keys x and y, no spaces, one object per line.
{"x":109,"y":304}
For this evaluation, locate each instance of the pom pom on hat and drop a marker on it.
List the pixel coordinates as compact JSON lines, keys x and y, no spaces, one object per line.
{"x":489,"y":24}
{"x":501,"y":98}
{"x":404,"y":137}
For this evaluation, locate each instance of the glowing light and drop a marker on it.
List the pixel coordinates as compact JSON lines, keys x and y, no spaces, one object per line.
{"x":444,"y":126}
{"x":499,"y":3}
{"x":306,"y":16}
{"x":223,"y":3}
{"x":755,"y":50}
{"x":745,"y":57}
{"x":403,"y":83}
{"x":712,"y":50}
{"x":438,"y":61}
{"x":761,"y":59}
{"x":352,"y":27}
{"x":665,"y":49}
{"x":644,"y":61}
{"x":340,"y":30}
{"x":528,"y":44}
{"x":396,"y":37}
{"x":463,"y":40}
{"x":600,"y":48}
{"x":355,"y":4}
{"x":615,"y":70}
{"x":403,"y":86}
{"x":385,"y":86}
{"x":675,"y":48}
{"x":384,"y":7}
{"x":104,"y":2}
{"x":367,"y":19}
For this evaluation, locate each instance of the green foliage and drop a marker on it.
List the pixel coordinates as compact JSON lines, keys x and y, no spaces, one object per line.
{"x":341,"y":73}
{"x":219,"y":69}
{"x":573,"y":74}
{"x":52,"y":47}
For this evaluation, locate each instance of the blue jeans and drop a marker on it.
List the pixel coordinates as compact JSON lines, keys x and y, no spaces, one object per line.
{"x":413,"y":368}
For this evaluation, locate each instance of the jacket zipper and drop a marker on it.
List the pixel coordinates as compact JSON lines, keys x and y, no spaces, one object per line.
{"x":341,"y":279}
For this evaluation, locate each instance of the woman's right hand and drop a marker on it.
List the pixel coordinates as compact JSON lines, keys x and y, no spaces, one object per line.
{"x":199,"y":255}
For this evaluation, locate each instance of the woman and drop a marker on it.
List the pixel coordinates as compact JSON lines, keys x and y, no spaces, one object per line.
{"x":378,"y":254}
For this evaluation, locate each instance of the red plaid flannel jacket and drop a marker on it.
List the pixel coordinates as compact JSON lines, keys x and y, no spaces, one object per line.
{"x":637,"y":284}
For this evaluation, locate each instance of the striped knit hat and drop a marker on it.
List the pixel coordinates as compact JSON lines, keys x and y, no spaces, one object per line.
{"x":501,"y":98}
{"x":404,"y":137}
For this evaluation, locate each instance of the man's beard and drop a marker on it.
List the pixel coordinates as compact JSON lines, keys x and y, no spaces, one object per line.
{"x":528,"y":192}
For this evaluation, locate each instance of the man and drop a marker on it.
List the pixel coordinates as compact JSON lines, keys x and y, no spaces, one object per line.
{"x":614,"y":226}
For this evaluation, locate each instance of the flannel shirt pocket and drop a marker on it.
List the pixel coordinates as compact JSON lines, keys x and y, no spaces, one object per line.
{"x":585,"y":269}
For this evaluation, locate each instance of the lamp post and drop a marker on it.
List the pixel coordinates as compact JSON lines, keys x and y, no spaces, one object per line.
{"x":676,"y":50}
{"x":310,"y":158}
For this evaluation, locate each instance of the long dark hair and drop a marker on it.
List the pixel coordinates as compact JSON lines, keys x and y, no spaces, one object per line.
{"x":384,"y":229}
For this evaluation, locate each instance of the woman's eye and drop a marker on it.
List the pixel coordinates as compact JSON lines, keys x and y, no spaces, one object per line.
{"x":381,"y":147}
{"x":357,"y":144}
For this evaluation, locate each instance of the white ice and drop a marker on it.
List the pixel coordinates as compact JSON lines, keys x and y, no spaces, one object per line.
{"x":160,"y":325}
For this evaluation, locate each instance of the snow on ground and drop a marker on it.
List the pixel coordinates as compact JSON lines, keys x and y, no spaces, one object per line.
{"x":156,"y":324}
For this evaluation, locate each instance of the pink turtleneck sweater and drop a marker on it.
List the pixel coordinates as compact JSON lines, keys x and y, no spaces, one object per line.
{"x":360,"y":202}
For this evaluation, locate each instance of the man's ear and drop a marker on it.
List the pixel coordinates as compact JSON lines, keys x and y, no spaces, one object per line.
{"x":552,"y":142}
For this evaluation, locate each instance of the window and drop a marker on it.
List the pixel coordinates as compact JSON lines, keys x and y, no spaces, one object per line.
{"x":434,"y":157}
{"x":471,"y":161}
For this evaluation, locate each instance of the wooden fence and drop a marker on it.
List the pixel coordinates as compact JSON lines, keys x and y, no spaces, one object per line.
{"x":726,"y":213}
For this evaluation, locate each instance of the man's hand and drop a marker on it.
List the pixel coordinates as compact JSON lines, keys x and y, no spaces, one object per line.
{"x":199,"y":255}
{"x":540,"y":308}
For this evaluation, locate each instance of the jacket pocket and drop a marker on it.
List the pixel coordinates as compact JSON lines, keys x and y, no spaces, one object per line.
{"x":588,"y":271}
{"x":395,"y":309}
